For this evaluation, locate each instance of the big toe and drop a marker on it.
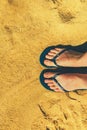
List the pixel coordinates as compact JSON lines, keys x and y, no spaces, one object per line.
{"x":48,"y":74}
{"x":48,"y":63}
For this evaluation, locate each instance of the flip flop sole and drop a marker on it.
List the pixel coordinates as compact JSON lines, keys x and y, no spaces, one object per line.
{"x":59,"y":70}
{"x":62,"y":71}
{"x":43,"y":54}
{"x":47,"y":50}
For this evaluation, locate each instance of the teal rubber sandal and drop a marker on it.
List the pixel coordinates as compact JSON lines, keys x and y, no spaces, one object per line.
{"x":64,"y":70}
{"x":47,"y":50}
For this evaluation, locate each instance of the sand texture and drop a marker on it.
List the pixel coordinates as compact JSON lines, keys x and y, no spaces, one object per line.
{"x":26,"y":28}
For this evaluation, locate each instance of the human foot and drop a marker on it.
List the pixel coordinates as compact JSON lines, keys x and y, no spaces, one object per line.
{"x":64,"y":82}
{"x":67,"y":58}
{"x":55,"y":56}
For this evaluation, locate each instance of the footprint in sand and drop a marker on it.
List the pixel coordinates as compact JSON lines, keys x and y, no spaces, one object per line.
{"x":59,"y":115}
{"x":70,"y":12}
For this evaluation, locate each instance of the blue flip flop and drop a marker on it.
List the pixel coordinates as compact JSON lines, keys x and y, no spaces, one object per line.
{"x":53,"y":78}
{"x":59,"y":71}
{"x":47,"y":50}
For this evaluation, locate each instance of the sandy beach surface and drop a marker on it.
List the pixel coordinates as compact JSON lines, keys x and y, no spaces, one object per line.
{"x":26,"y":28}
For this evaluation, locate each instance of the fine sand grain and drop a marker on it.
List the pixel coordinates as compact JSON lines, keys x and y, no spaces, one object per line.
{"x":26,"y":28}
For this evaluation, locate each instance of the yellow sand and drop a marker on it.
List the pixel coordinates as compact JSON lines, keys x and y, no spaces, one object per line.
{"x":26,"y":28}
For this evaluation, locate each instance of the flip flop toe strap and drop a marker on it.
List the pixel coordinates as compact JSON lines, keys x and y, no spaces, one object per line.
{"x":57,"y":55}
{"x":59,"y":85}
{"x":54,"y":61}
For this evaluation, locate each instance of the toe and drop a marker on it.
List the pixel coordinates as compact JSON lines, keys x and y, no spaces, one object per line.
{"x":49,"y":56}
{"x":48,"y":81}
{"x":58,"y":49}
{"x":48,"y":74}
{"x":57,"y":90}
{"x":52,"y":87}
{"x":48,"y":63}
{"x":54,"y":51}
{"x":50,"y":84}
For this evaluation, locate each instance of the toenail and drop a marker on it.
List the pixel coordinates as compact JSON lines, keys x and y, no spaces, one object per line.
{"x":45,"y":60}
{"x":57,"y":89}
{"x":46,"y":75}
{"x":57,"y":49}
{"x":45,"y":81}
{"x":46,"y":55}
{"x":51,"y":88}
{"x":49,"y":52}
